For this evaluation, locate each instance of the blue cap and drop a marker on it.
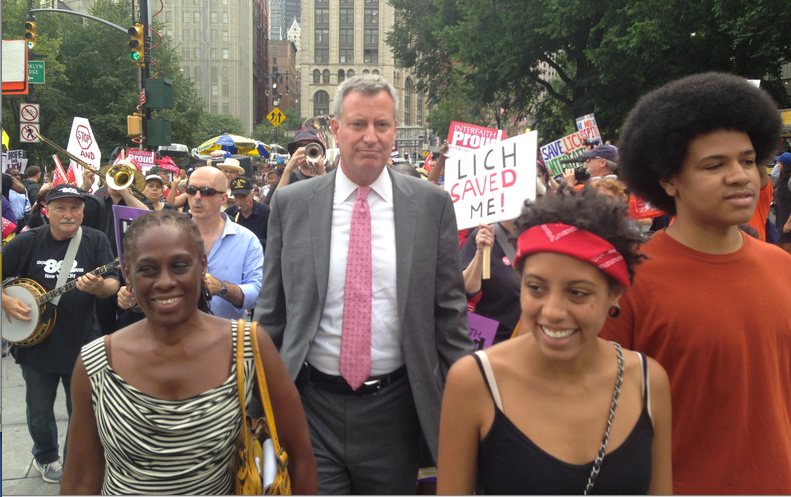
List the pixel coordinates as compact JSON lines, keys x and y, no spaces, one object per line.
{"x":281,"y":161}
{"x":784,"y":158}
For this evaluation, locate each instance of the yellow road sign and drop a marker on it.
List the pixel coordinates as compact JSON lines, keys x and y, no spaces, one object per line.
{"x":425,"y":153}
{"x":276,"y":117}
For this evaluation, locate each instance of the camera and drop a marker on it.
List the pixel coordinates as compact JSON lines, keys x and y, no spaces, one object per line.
{"x":581,"y":173}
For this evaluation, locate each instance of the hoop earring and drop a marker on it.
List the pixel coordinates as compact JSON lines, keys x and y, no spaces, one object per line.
{"x":614,"y":311}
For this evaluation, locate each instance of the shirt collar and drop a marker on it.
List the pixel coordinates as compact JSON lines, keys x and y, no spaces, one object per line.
{"x":344,"y":187}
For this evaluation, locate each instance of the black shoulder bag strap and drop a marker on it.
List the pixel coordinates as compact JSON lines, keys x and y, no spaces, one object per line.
{"x":501,"y":237}
{"x":68,"y":260}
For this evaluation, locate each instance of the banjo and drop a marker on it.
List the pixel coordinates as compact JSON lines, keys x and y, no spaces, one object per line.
{"x":32,"y":294}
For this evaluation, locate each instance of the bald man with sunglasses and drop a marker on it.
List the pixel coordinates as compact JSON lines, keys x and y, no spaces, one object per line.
{"x":235,"y":256}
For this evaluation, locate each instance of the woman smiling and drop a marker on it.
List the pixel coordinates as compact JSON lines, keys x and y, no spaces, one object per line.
{"x":559,"y":410}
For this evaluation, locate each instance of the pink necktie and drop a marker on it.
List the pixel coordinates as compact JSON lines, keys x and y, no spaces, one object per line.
{"x":355,"y":365}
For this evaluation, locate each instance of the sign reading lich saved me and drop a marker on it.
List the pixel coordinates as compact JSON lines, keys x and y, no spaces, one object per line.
{"x":490,"y":184}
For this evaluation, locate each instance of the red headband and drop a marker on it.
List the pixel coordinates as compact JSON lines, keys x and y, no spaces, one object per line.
{"x":580,"y":244}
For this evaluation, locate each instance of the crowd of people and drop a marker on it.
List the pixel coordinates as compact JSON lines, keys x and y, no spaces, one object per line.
{"x":633,"y":353}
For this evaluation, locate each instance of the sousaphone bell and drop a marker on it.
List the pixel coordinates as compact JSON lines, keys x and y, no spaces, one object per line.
{"x":122,"y":175}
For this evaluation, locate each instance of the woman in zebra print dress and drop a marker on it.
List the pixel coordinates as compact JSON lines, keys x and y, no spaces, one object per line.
{"x":156,"y":404}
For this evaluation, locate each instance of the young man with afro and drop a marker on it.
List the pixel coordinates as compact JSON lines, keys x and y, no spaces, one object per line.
{"x":711,"y":303}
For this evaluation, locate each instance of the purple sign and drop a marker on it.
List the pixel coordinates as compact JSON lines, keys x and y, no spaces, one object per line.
{"x":482,"y":330}
{"x":123,"y":218}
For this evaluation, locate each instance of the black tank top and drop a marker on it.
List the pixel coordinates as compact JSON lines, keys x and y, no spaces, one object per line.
{"x":510,"y":463}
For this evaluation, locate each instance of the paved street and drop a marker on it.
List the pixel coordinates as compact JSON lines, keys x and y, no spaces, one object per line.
{"x":19,"y":477}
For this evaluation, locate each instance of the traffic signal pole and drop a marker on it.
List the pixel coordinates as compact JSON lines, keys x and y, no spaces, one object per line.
{"x":31,"y":95}
{"x":145,"y":72}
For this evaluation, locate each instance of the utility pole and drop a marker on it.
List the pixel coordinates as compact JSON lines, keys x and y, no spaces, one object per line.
{"x":145,"y":71}
{"x":31,"y":95}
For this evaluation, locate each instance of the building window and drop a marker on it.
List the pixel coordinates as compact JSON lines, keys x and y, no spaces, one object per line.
{"x":169,"y":16}
{"x":185,"y":53}
{"x":321,"y":103}
{"x":187,"y":71}
{"x":340,"y":76}
{"x":168,"y":2}
{"x":326,"y":76}
{"x":346,"y":56}
{"x":366,"y":71}
{"x":226,"y":108}
{"x":375,"y":2}
{"x":316,"y":76}
{"x":225,"y":18}
{"x":214,"y":108}
{"x":408,"y":102}
{"x":274,"y":50}
{"x":350,"y":73}
{"x":214,"y":17}
{"x":225,"y":37}
{"x":226,"y":90}
{"x":372,"y":37}
{"x":214,"y":73}
{"x":213,"y":53}
{"x":169,"y":33}
{"x":371,"y":16}
{"x":322,"y":56}
{"x":198,"y":53}
{"x":225,"y":76}
{"x":185,"y":36}
{"x":185,"y":2}
{"x":420,"y":109}
{"x":347,"y":36}
{"x":226,"y":53}
{"x":214,"y":36}
{"x":322,"y":16}
{"x":347,"y":16}
{"x":225,"y":2}
{"x":371,"y":56}
{"x":197,"y":35}
{"x":322,"y":36}
{"x":376,"y":72}
{"x":215,"y":90}
{"x":213,"y":2}
{"x":274,"y":60}
{"x":186,"y":17}
{"x":196,"y":17}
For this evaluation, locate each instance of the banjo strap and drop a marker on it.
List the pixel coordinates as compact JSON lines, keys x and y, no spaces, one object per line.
{"x":68,"y":260}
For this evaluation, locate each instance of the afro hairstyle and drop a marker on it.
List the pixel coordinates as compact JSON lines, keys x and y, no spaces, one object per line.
{"x":659,"y":129}
{"x":604,"y":216}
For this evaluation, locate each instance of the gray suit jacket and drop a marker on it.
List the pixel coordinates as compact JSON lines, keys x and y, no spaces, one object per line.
{"x":432,"y":304}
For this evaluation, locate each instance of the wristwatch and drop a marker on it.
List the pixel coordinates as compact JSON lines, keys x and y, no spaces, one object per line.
{"x":223,"y":290}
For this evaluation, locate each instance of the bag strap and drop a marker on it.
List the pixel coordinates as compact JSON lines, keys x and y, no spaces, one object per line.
{"x":264,"y":391}
{"x":502,"y":240}
{"x":240,"y":329}
{"x":68,"y":260}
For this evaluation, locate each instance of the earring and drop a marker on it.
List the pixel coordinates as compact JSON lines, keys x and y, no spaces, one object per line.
{"x":614,"y":311}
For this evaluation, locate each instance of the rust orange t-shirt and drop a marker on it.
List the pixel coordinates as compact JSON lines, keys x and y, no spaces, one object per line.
{"x":762,"y":210}
{"x":720,"y":325}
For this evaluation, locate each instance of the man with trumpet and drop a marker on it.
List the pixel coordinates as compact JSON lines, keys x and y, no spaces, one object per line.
{"x":307,"y":158}
{"x":38,"y":255}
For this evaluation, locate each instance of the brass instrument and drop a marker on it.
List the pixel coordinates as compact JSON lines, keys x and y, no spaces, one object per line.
{"x":321,"y":125}
{"x":313,"y":154}
{"x":135,"y":185}
{"x":123,"y":175}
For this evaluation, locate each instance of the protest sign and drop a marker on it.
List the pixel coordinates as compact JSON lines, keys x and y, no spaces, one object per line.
{"x":82,"y":144}
{"x":463,"y":137}
{"x":482,"y":330}
{"x":123,"y":218}
{"x":567,"y":147}
{"x":13,"y":160}
{"x":640,"y":209}
{"x":490,"y":184}
{"x":143,"y":157}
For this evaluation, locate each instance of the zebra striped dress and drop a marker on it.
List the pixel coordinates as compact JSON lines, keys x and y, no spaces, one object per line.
{"x":155,"y":446}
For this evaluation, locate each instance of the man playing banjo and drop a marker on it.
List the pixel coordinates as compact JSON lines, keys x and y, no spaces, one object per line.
{"x":38,"y":255}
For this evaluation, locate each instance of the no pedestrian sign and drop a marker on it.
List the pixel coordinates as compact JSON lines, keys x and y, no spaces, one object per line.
{"x":28,"y":133}
{"x":276,"y":117}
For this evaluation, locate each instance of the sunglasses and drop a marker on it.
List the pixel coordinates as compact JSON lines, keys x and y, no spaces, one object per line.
{"x":205,"y":191}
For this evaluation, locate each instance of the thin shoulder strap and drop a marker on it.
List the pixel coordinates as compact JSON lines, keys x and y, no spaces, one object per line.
{"x":491,"y":383}
{"x":646,"y":383}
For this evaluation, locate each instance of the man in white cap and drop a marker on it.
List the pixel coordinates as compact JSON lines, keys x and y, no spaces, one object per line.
{"x":231,"y":169}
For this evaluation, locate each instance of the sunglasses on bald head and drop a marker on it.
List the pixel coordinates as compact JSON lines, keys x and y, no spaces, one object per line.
{"x":205,"y":191}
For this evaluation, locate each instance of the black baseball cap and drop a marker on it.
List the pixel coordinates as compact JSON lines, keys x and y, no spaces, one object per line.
{"x":241,"y":185}
{"x":64,"y":191}
{"x":304,"y":135}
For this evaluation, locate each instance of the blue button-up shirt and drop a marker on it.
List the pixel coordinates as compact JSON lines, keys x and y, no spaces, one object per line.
{"x":236,"y":257}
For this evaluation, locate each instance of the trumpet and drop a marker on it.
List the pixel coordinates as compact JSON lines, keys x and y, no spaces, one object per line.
{"x":135,"y":184}
{"x":313,"y":154}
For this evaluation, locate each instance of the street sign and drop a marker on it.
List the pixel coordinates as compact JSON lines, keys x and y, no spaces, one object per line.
{"x":35,"y":72}
{"x":28,"y":113}
{"x":425,"y":154}
{"x":28,"y":133}
{"x":276,"y":117}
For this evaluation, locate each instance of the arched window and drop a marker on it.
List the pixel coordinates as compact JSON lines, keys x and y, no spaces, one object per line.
{"x":340,"y":76}
{"x":408,"y":102}
{"x":375,"y":72}
{"x":326,"y":75}
{"x":366,"y":71}
{"x":350,"y":73}
{"x":321,"y":103}
{"x":316,"y":76}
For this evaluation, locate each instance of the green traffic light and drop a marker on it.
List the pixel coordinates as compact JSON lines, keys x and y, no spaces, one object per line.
{"x":134,"y":56}
{"x":30,"y":45}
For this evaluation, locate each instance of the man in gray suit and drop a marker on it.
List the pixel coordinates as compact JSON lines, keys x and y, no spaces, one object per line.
{"x":364,"y":297}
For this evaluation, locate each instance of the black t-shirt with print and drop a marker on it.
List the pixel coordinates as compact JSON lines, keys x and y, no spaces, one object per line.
{"x":76,"y":323}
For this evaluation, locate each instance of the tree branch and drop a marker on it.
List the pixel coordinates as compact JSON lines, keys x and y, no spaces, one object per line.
{"x":561,"y":73}
{"x":552,"y":91}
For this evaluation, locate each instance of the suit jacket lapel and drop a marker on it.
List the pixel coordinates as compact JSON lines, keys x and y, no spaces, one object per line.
{"x":404,"y":212}
{"x":320,"y":213}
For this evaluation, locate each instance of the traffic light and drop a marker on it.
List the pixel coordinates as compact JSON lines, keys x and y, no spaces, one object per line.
{"x":30,"y":34}
{"x":134,"y":125}
{"x":137,"y":44}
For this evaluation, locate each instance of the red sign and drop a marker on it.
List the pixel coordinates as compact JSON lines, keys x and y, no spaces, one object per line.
{"x":143,"y":157}
{"x":143,"y":96}
{"x":84,"y":137}
{"x":640,"y":209}
{"x":463,"y":137}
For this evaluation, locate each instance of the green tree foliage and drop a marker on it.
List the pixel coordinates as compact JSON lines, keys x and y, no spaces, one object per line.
{"x":89,"y":74}
{"x":606,"y":52}
{"x":265,"y":131}
{"x":213,"y":125}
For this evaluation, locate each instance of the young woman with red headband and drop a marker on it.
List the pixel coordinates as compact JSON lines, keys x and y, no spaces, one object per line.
{"x":559,"y":410}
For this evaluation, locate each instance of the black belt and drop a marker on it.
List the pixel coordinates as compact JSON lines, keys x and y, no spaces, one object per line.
{"x":337,"y":384}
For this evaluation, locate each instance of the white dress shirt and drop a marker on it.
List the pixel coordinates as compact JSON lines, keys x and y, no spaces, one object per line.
{"x":386,"y":353}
